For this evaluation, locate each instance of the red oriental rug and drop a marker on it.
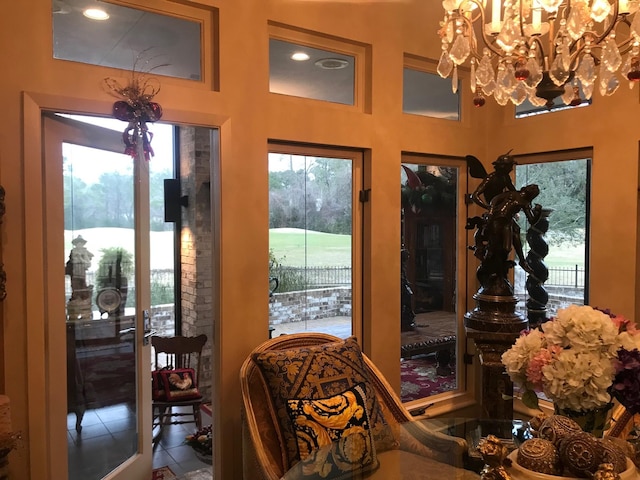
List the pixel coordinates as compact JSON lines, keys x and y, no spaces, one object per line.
{"x":418,"y":378}
{"x":163,"y":473}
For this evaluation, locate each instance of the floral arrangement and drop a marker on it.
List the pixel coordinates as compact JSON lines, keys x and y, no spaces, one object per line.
{"x":201,"y":440}
{"x":579,"y":360}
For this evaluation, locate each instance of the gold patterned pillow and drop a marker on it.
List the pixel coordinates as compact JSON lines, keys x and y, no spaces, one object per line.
{"x":316,"y":372}
{"x":333,"y":435}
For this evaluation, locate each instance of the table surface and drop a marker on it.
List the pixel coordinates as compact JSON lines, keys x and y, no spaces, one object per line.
{"x":400,"y":466}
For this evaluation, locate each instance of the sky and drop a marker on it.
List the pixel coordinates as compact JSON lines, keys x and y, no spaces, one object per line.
{"x":103,"y":162}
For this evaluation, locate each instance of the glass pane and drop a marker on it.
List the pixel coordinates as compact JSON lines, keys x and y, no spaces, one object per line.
{"x":162,"y":239}
{"x":429,"y":95}
{"x":100,"y":274}
{"x":168,"y":45}
{"x":319,"y":74}
{"x":526,"y":109}
{"x":564,"y":188}
{"x":310,"y":221}
{"x":428,"y":280}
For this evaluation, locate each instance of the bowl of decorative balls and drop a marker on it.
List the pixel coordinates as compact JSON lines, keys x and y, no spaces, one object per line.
{"x":562,"y":450}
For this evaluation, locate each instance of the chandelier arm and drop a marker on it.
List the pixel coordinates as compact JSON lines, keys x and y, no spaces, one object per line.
{"x":470,"y":22}
{"x":477,"y":3}
{"x":539,"y":51}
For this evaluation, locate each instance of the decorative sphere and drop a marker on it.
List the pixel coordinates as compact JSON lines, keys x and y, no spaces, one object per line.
{"x":556,"y":427}
{"x":580,"y":453}
{"x":612,"y":453}
{"x":539,"y":455}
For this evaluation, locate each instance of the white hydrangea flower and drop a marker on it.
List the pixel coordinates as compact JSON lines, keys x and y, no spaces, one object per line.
{"x":628,"y":341}
{"x":517,"y":357}
{"x":578,"y":380}
{"x":582,"y":328}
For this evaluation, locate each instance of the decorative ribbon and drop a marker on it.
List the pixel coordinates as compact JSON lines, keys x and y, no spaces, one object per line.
{"x":137,"y":109}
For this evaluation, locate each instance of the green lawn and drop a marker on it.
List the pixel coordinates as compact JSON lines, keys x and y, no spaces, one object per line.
{"x":296,"y":247}
{"x":565,"y":255}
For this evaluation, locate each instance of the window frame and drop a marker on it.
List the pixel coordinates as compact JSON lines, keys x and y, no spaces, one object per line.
{"x":206,"y":16}
{"x":357,"y":218}
{"x":359,"y":51}
{"x":558,"y":156}
{"x":464,"y":281}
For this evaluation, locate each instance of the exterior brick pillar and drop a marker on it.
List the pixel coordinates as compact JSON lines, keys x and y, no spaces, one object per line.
{"x":196,"y":243}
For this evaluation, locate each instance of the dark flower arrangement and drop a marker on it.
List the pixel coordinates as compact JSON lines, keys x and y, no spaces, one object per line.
{"x":201,"y":440}
{"x":626,"y":383}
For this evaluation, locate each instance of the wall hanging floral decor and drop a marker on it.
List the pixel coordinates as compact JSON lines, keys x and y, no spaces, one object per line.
{"x":137,"y":108}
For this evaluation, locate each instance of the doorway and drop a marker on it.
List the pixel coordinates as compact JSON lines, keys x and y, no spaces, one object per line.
{"x":118,"y":282}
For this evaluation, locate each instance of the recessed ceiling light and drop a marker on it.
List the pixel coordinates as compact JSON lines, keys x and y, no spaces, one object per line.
{"x":95,"y":14}
{"x":332,"y":63}
{"x":299,"y":57}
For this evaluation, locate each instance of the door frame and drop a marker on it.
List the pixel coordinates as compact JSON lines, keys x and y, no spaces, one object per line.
{"x":56,"y":132}
{"x":42,"y":402}
{"x":356,"y":156}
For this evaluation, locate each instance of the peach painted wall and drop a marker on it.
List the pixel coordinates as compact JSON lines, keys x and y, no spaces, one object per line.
{"x":249,"y":116}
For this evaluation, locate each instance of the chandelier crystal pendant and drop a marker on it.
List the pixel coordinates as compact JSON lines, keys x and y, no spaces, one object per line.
{"x":541,"y":49}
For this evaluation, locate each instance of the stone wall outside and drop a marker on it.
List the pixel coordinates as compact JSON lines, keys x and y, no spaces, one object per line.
{"x":310,"y":304}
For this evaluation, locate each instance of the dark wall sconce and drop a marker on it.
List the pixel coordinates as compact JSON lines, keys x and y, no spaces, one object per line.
{"x":173,"y":200}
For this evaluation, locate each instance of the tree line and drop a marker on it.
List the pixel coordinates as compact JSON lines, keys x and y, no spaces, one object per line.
{"x":316,"y":197}
{"x":110,"y":201}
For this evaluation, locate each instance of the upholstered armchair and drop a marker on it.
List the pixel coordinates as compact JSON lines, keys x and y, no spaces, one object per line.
{"x":294,"y":365}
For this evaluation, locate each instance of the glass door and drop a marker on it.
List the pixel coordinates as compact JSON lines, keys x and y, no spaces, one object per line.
{"x":314,"y":240}
{"x":97,"y":229}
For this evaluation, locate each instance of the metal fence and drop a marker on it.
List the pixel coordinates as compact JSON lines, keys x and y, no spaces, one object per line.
{"x":318,"y":276}
{"x":572,"y":277}
{"x":162,"y":280}
{"x":566,"y":277}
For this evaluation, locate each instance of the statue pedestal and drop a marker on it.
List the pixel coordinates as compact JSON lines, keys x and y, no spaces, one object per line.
{"x":495,"y":313}
{"x":494,"y":326}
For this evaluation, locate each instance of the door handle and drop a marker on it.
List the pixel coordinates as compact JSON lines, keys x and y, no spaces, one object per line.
{"x":148,"y":332}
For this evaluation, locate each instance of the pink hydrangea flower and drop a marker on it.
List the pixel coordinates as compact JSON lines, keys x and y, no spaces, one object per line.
{"x":539,"y":360}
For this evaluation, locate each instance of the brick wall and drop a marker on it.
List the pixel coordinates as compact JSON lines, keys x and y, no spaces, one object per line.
{"x":310,"y":304}
{"x":196,"y":249}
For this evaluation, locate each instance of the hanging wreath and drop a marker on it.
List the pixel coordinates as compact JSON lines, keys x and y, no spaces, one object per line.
{"x":137,"y":108}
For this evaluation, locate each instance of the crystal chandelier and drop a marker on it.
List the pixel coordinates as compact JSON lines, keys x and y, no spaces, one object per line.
{"x":541,"y":49}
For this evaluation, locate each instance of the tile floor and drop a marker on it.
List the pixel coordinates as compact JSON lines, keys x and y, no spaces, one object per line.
{"x":108,"y":437}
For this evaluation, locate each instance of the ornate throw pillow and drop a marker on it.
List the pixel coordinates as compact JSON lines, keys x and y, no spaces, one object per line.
{"x":333,"y":435}
{"x":317,"y":372}
{"x":179,"y":384}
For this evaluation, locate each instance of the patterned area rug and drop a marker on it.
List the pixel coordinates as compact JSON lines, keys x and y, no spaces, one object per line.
{"x":163,"y":473}
{"x":419,"y":379}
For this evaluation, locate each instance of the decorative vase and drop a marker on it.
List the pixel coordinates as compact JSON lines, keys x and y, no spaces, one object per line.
{"x":594,"y":421}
